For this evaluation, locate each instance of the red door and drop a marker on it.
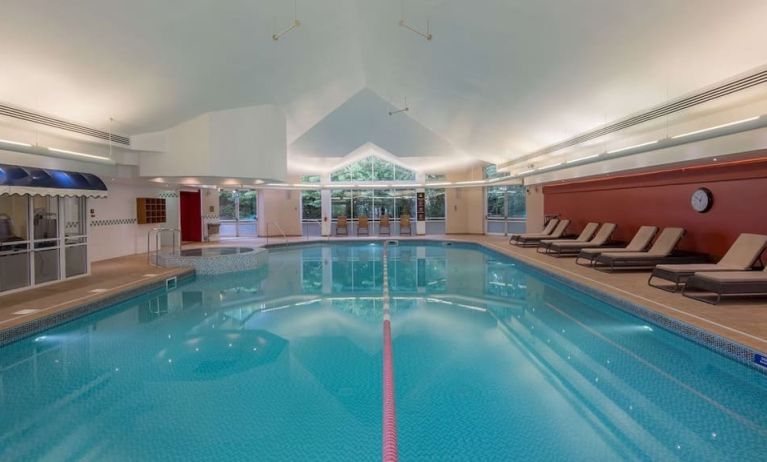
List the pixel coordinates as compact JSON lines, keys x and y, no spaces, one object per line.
{"x":191,"y":216}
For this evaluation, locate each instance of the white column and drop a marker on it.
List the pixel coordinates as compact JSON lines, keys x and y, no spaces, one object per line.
{"x":326,"y":218}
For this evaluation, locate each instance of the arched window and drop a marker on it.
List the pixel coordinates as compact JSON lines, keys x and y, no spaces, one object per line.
{"x":372,"y":168}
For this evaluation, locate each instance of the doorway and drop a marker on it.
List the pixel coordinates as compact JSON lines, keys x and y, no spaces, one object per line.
{"x":190,"y":208}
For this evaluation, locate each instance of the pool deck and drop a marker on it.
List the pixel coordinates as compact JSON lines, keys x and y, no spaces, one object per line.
{"x":742,"y":321}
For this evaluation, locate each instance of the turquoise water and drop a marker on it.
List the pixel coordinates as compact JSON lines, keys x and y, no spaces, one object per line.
{"x":491,"y":363}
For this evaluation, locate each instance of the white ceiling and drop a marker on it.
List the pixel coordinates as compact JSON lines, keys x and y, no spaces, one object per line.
{"x":500,"y":79}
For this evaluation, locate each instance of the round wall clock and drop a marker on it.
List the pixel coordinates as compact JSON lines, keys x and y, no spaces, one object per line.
{"x":702,"y":200}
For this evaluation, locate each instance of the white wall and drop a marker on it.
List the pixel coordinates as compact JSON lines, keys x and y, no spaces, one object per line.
{"x":122,"y":236}
{"x":239,"y":143}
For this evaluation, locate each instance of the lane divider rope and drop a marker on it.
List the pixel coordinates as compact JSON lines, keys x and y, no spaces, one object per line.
{"x":389,"y":415}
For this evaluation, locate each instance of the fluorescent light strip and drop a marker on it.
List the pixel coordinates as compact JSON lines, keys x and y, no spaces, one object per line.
{"x":470,"y":182}
{"x":438,"y":184}
{"x":16,"y":143}
{"x":715,"y":127}
{"x":80,"y":154}
{"x":582,"y":158}
{"x":551,"y":166}
{"x":632,"y":147}
{"x":276,"y":184}
{"x":526,"y":171}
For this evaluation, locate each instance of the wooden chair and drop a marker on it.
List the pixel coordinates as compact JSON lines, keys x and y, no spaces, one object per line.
{"x":363,"y":225}
{"x":342,"y":224}
{"x":404,"y":223}
{"x":384,"y":223}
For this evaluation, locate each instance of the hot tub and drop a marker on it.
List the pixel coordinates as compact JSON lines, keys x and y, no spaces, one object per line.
{"x":216,"y":260}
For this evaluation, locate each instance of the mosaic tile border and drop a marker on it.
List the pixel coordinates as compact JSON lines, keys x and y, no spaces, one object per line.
{"x":114,"y":221}
{"x":35,"y":326}
{"x":218,"y":264}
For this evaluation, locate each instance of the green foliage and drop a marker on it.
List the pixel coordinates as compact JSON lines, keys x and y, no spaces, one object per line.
{"x":372,"y":169}
{"x":311,"y":205}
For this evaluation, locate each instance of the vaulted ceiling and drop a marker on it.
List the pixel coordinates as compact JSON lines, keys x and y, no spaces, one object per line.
{"x":500,"y":78}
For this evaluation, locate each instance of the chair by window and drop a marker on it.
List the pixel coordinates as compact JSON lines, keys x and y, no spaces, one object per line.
{"x":342,"y":224}
{"x":384,"y":225}
{"x":363,"y":225}
{"x":404,"y":224}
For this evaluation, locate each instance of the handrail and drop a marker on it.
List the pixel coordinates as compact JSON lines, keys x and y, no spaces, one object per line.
{"x":158,"y":234}
{"x":284,"y":236}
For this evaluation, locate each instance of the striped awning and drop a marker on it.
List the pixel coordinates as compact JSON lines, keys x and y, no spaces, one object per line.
{"x":47,"y":182}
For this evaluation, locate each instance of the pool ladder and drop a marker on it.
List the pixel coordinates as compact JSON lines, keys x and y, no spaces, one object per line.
{"x":158,"y":232}
{"x":284,"y":236}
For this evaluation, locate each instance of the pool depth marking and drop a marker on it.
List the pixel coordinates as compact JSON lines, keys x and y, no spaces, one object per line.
{"x":389,"y":415}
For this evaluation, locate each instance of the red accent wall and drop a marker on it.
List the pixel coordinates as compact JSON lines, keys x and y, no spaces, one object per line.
{"x":662,"y":198}
{"x":190,"y":207}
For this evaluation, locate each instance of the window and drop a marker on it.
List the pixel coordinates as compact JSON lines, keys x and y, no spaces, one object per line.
{"x":363,"y":203}
{"x":75,"y":239}
{"x":495,"y":201}
{"x":516,"y":201}
{"x":248,"y":210}
{"x":14,"y":242}
{"x":383,"y":203}
{"x":340,"y":203}
{"x":372,"y":169}
{"x":45,"y":225}
{"x":491,"y":171}
{"x":404,"y":202}
{"x":435,"y":203}
{"x":311,"y":205}
{"x":238,"y":212}
{"x":226,"y":205}
{"x":310,"y":179}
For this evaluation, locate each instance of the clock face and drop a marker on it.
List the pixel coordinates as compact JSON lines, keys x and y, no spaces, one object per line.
{"x":702,"y":200}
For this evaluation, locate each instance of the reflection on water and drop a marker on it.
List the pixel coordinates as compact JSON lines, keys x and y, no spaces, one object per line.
{"x":491,"y":363}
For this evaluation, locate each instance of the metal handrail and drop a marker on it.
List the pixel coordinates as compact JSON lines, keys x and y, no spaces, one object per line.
{"x":158,"y":234}
{"x":284,"y":236}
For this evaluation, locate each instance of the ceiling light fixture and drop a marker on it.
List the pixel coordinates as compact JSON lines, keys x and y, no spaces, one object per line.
{"x":572,"y":161}
{"x":293,"y":25}
{"x":551,"y":166}
{"x":403,"y":23}
{"x":470,"y":182}
{"x":446,"y":183}
{"x":526,"y":171}
{"x":737,"y":122}
{"x":79,"y":154}
{"x":16,"y":143}
{"x":397,"y":111}
{"x":632,"y":147}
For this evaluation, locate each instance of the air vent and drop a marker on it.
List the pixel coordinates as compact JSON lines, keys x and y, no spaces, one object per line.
{"x":63,"y":125}
{"x":670,"y":108}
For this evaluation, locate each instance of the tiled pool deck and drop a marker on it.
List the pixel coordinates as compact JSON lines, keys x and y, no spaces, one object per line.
{"x":726,"y":327}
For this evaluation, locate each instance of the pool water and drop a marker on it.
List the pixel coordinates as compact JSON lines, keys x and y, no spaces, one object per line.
{"x":214,"y":251}
{"x":491,"y":362}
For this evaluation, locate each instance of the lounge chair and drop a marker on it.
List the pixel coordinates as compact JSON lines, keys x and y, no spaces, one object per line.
{"x":561,"y":248}
{"x":404,"y":224}
{"x":719,"y":283}
{"x":384,"y":223}
{"x":363,"y":225}
{"x":585,"y":236}
{"x":660,"y":253}
{"x":546,"y":231}
{"x":639,"y":243}
{"x":527,"y":240}
{"x":342,"y":224}
{"x":741,"y":256}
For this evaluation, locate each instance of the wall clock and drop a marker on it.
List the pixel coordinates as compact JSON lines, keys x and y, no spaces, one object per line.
{"x":702,"y":200}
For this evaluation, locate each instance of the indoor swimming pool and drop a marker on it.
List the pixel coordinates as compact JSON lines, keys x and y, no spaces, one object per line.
{"x":491,"y":361}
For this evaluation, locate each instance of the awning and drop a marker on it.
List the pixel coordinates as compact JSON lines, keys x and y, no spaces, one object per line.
{"x":47,"y":182}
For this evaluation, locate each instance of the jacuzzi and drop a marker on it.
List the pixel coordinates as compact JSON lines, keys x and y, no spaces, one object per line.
{"x":216,"y":260}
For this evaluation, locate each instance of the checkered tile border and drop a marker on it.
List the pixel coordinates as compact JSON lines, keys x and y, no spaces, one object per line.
{"x":168,"y":194}
{"x":38,"y":325}
{"x":114,"y":222}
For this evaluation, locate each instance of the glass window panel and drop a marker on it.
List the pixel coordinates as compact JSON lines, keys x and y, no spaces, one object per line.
{"x":226,"y":205}
{"x":382,"y":170}
{"x":404,"y":202}
{"x":403,"y":174}
{"x":74,"y":216}
{"x":13,"y":218}
{"x":435,"y":203}
{"x":248,"y":208}
{"x":383,"y":203}
{"x":340,"y":203}
{"x":363,"y":203}
{"x":343,"y":174}
{"x":76,"y":260}
{"x":46,"y":265}
{"x":362,"y":170}
{"x":14,"y":266}
{"x":516,"y":201}
{"x":45,"y":217}
{"x":311,"y":205}
{"x":310,"y":179}
{"x":495,"y":201}
{"x":435,"y":177}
